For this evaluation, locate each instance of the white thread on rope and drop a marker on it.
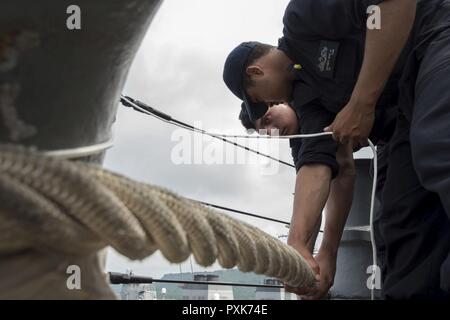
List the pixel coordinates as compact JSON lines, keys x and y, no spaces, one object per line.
{"x":79,"y":152}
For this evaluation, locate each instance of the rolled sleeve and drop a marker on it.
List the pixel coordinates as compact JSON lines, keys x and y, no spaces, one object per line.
{"x":331,"y":19}
{"x":318,"y":150}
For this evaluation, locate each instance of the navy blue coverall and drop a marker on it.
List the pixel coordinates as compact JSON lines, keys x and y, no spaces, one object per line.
{"x":327,"y":38}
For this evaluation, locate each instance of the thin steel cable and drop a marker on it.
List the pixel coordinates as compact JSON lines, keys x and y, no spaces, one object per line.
{"x":143,"y":108}
{"x":122,"y":278}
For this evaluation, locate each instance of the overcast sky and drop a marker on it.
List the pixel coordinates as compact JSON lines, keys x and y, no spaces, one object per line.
{"x":178,"y":70}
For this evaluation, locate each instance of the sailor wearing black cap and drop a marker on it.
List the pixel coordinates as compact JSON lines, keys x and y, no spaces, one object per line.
{"x":340,"y":76}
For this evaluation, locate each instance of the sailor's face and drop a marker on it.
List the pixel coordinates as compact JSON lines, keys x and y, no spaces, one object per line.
{"x":270,"y":88}
{"x":279,"y":117}
{"x":271,"y":79}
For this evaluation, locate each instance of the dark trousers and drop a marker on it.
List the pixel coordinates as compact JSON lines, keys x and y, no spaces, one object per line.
{"x":414,"y":224}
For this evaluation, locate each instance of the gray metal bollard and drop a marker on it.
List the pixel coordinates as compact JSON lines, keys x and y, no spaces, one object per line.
{"x":60,"y":87}
{"x":60,"y":83}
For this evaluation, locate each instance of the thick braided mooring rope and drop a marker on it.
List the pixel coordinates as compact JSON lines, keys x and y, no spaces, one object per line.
{"x":79,"y":208}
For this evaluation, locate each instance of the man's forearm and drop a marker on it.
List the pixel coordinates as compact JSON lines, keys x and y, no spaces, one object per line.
{"x":383,"y":47}
{"x":311,"y":193}
{"x":339,"y":204}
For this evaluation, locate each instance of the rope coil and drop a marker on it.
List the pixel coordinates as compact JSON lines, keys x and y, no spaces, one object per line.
{"x":78,"y":208}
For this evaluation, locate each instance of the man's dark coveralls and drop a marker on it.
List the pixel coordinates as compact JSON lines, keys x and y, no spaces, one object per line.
{"x":327,"y":38}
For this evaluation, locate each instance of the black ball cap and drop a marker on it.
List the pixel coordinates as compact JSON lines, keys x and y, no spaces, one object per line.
{"x":233,"y":75}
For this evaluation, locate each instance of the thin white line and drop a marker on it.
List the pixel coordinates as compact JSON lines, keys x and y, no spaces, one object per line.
{"x":372,"y":205}
{"x":79,"y":152}
{"x":312,"y":135}
{"x":374,"y":184}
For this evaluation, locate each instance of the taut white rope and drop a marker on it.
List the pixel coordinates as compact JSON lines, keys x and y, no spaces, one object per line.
{"x":75,"y":209}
